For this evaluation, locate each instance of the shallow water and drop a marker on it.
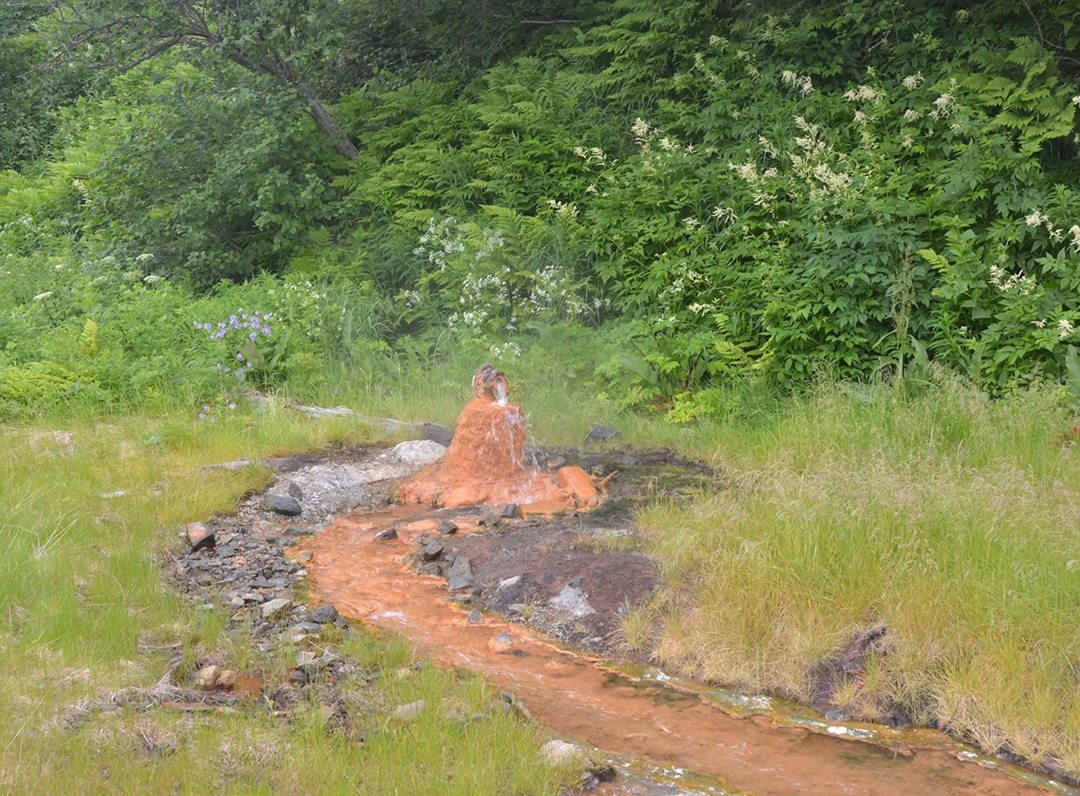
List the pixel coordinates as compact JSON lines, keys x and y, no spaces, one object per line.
{"x":739,"y":744}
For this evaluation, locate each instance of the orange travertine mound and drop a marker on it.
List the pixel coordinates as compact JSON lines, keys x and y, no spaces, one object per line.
{"x":485,"y":463}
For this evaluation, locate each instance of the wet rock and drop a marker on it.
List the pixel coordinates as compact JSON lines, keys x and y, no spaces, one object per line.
{"x":281,"y":504}
{"x":508,"y":511}
{"x":602,"y":433}
{"x":501,"y":643}
{"x":573,"y":601}
{"x":475,"y":617}
{"x":324,"y":614}
{"x":459,"y":575}
{"x":431,"y":550}
{"x":561,"y":753}
{"x":272,"y":608}
{"x":488,"y":518}
{"x":297,"y":530}
{"x":199,"y":537}
{"x":436,"y":432}
{"x":409,"y":712}
{"x":420,"y":453}
{"x":602,"y":772}
{"x":387,"y":535}
{"x":447,"y":528}
{"x":305,"y":556}
{"x":429,"y":568}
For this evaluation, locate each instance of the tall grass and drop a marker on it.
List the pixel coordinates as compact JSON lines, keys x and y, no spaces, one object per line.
{"x":953,"y":520}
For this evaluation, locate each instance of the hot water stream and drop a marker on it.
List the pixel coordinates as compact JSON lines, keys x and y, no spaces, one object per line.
{"x":750,"y":744}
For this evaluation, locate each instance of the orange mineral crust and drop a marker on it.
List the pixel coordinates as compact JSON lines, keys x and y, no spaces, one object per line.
{"x":485,"y":463}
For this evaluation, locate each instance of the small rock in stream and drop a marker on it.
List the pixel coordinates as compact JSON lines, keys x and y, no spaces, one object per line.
{"x":281,"y":504}
{"x":447,"y":528}
{"x":432,"y":550}
{"x":387,"y":535}
{"x":459,"y":575}
{"x":297,"y":530}
{"x":508,"y":511}
{"x":475,"y":617}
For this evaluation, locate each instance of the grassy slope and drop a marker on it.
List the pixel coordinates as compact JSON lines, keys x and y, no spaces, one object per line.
{"x":83,"y":611}
{"x":950,"y":518}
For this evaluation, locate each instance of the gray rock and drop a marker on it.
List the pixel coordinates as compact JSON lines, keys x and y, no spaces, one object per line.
{"x":296,"y":492}
{"x":561,"y":753}
{"x":282,"y":505}
{"x":324,"y":614}
{"x":509,"y":583}
{"x":312,"y":628}
{"x":436,"y":433}
{"x":459,"y":575}
{"x":227,"y":550}
{"x":297,"y":530}
{"x":601,"y":433}
{"x":387,"y":535}
{"x":475,"y":616}
{"x":419,"y":452}
{"x":447,"y":528}
{"x":488,"y":518}
{"x":272,"y":608}
{"x":573,"y":601}
{"x":432,"y":550}
{"x":508,"y":511}
{"x":307,"y":555}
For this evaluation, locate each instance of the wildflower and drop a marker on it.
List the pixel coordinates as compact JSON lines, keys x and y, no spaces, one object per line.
{"x":911,"y":82}
{"x":239,"y":373}
{"x":1076,"y":100}
{"x":691,"y":223}
{"x":206,"y":407}
{"x":861,"y":118}
{"x":1039,"y":324}
{"x":862,"y":94}
{"x":911,"y":115}
{"x":807,"y":86}
{"x":48,"y":294}
{"x":152,"y":279}
{"x":60,"y":267}
{"x":232,"y":406}
{"x":1074,"y":230}
{"x":1065,"y":328}
{"x":1036,"y":219}
{"x":240,"y":357}
{"x":668,"y":145}
{"x":144,"y":258}
{"x":253,"y":335}
{"x":906,"y":142}
{"x":202,"y":415}
{"x":714,"y":40}
{"x":789,"y":77}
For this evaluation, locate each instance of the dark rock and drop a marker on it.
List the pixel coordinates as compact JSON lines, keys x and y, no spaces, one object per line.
{"x":282,"y":505}
{"x":283,"y":542}
{"x":199,"y":536}
{"x":297,"y":530}
{"x":324,"y":614}
{"x":432,"y":550}
{"x":430,"y":568}
{"x":459,"y":575}
{"x":447,"y":528}
{"x":388,"y":534}
{"x":475,"y":616}
{"x":312,"y":628}
{"x":341,"y":622}
{"x":227,"y":550}
{"x":508,"y":511}
{"x":602,"y":772}
{"x":602,"y":433}
{"x":436,"y":433}
{"x":488,"y":518}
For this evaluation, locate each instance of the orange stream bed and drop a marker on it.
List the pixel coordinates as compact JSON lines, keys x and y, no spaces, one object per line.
{"x":577,"y":696}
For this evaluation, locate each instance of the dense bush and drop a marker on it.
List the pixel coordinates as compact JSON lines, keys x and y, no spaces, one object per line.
{"x":728,"y":190}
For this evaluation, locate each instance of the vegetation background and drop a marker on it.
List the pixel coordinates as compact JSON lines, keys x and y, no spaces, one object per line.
{"x":837,"y":241}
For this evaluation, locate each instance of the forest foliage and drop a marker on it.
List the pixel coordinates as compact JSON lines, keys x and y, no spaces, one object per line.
{"x":698,"y":192}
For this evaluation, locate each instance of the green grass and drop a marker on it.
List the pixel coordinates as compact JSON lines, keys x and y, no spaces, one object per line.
{"x":952,"y":519}
{"x":85,"y":610}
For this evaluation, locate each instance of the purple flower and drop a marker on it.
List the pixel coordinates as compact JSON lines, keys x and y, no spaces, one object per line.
{"x":232,"y":406}
{"x":206,"y":407}
{"x":232,"y":319}
{"x":202,"y":416}
{"x":240,"y":356}
{"x":198,"y":325}
{"x":266,"y":330}
{"x":239,"y":373}
{"x":252,"y":336}
{"x":249,"y":365}
{"x":221,"y":325}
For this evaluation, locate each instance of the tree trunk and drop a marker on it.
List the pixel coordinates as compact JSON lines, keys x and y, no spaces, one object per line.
{"x":329,"y":125}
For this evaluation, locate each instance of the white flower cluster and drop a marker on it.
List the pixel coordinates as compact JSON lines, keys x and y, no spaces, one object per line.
{"x":1040,"y":219}
{"x":862,"y":94}
{"x":1006,"y":282}
{"x":912,"y":82}
{"x":441,"y":240}
{"x":505,"y":350}
{"x":803,"y":82}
